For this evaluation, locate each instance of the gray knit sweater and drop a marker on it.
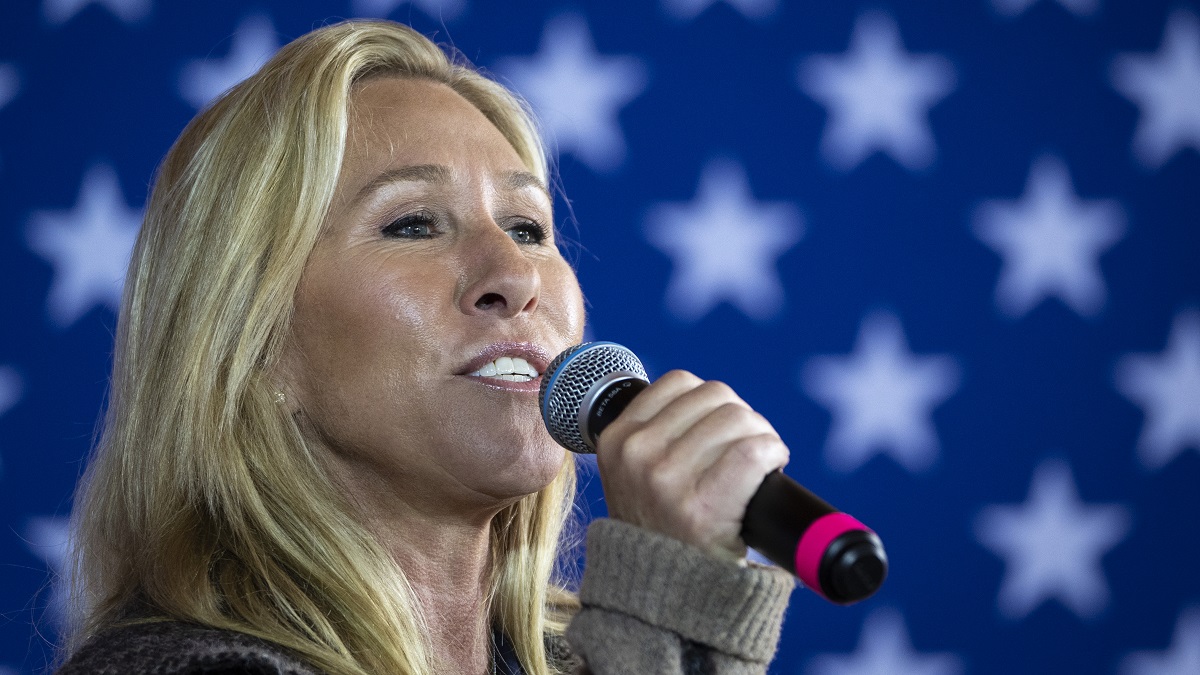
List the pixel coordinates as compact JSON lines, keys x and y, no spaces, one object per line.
{"x":650,"y":604}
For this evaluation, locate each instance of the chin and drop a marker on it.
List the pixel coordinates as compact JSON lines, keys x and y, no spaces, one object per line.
{"x":530,"y":470}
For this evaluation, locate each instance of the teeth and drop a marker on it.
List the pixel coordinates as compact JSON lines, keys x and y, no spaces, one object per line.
{"x":509,"y":369}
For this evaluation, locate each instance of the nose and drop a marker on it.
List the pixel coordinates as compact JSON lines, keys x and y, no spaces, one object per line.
{"x":501,"y":279}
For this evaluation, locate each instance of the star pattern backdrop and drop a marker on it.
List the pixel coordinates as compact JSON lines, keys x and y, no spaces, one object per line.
{"x":951,"y":250}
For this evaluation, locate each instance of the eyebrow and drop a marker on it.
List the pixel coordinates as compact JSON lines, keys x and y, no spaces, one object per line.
{"x":417,"y":173}
{"x":437,"y":173}
{"x":515,"y":180}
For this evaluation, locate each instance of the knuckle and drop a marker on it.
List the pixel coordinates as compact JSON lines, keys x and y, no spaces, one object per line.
{"x":752,"y":450}
{"x":720,"y":391}
{"x":734,"y":412}
{"x":640,"y":444}
{"x":680,"y":378}
{"x":762,"y":451}
{"x":760,"y":420}
{"x":736,"y":415}
{"x":661,"y":477}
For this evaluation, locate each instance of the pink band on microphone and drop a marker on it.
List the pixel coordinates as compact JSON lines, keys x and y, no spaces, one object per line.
{"x":815,"y":540}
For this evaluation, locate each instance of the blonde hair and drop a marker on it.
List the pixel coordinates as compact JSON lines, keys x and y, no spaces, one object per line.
{"x":202,"y":501}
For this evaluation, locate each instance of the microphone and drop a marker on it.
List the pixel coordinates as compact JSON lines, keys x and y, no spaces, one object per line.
{"x":587,"y":386}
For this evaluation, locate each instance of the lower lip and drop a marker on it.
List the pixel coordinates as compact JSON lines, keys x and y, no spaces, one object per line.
{"x":532,"y":386}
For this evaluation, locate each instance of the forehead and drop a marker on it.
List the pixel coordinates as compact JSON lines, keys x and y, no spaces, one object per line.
{"x":396,"y":122}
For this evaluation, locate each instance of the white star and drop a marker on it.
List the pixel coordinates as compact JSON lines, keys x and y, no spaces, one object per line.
{"x":61,"y":11}
{"x":254,"y":42}
{"x":882,"y":397}
{"x":1166,"y":88}
{"x":878,"y":96}
{"x":10,"y":388}
{"x":50,"y":540}
{"x":576,"y":92}
{"x":89,"y":246}
{"x":1167,"y":388}
{"x":1052,"y":545}
{"x":10,"y":83}
{"x":724,"y":245}
{"x":687,"y":10}
{"x":438,"y":9}
{"x":1183,"y":658}
{"x":1050,"y":241}
{"x":10,"y":391}
{"x":1016,"y":7}
{"x":884,"y":649}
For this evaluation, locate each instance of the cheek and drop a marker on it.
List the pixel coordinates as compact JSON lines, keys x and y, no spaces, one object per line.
{"x":348,"y":319}
{"x":562,"y":286}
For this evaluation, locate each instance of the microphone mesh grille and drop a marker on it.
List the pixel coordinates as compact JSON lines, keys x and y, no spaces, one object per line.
{"x":567,"y":380}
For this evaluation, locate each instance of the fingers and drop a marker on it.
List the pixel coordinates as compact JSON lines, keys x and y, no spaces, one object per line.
{"x":716,"y":433}
{"x":739,"y":470}
{"x":685,"y":458}
{"x":665,"y":411}
{"x":657,"y":396}
{"x":711,"y":513}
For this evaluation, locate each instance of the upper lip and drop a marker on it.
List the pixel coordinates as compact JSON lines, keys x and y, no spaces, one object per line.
{"x":537,"y":357}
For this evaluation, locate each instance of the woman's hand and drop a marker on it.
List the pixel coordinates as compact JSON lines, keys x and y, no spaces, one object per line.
{"x":685,"y":458}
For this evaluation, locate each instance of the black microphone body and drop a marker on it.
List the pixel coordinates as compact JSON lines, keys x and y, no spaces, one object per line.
{"x":587,"y":386}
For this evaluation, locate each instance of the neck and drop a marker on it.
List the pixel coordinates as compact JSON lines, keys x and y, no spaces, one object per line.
{"x":446,"y":556}
{"x":449,"y":572}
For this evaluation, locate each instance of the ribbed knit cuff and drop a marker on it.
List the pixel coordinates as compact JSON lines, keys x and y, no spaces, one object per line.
{"x":664,"y":582}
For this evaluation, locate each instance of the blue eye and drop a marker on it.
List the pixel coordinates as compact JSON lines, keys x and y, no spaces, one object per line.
{"x":528,"y":232}
{"x":412,"y":226}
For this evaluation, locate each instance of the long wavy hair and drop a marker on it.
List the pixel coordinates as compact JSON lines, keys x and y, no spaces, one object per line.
{"x":202,"y":500}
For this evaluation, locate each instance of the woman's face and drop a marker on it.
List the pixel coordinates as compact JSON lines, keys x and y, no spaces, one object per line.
{"x":437,"y":275}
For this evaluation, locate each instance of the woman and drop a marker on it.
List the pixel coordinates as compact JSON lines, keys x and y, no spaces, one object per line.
{"x":322,"y":451}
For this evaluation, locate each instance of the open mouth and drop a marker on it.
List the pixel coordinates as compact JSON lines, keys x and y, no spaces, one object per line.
{"x":509,"y":369}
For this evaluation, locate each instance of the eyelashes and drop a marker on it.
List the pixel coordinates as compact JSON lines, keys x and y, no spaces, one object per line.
{"x":528,"y":232}
{"x":425,"y":225}
{"x":417,"y":225}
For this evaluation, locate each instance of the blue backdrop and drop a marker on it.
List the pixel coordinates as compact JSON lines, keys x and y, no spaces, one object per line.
{"x":950,"y":249}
